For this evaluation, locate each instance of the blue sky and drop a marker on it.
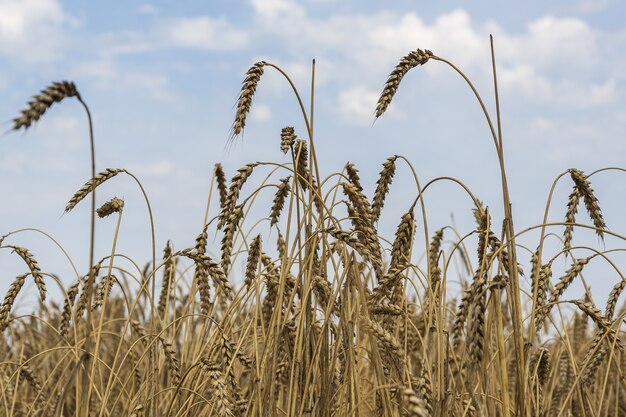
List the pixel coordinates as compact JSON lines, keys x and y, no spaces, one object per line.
{"x":162,"y":78}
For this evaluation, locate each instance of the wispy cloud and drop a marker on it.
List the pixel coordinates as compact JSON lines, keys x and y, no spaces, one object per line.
{"x":33,"y":31}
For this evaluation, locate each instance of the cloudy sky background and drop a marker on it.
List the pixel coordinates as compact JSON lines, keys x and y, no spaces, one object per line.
{"x":162,"y":78}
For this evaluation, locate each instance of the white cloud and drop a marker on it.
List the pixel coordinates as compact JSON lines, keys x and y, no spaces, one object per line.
{"x":260,"y":113}
{"x":357,"y":105}
{"x":274,"y":9}
{"x":205,"y":33}
{"x":146,"y":8}
{"x":158,"y":169}
{"x":32,"y":30}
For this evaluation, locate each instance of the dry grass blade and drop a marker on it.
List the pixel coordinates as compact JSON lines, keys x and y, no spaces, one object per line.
{"x":382,"y":186}
{"x":253,"y":76}
{"x":93,"y":183}
{"x":412,"y":60}
{"x":43,"y":101}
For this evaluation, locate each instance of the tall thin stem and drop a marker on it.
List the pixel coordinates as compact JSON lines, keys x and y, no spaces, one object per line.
{"x":84,"y":404}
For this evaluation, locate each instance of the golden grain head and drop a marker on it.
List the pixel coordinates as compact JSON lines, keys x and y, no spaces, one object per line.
{"x":54,"y":93}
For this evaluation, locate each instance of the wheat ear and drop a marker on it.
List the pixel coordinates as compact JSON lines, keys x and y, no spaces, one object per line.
{"x":253,"y":76}
{"x":56,"y":92}
{"x":412,"y":60}
{"x":96,"y":181}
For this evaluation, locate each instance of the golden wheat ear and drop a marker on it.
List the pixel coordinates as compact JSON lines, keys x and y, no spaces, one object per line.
{"x":253,"y":76}
{"x":408,"y":62}
{"x":54,"y":93}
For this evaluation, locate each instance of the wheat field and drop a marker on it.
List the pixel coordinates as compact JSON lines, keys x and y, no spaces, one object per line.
{"x":328,"y":317}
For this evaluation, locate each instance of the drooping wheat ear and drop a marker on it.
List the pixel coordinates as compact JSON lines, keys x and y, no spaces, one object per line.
{"x":169,"y":271}
{"x":201,"y":274}
{"x":35,"y":270}
{"x":612,"y":300}
{"x":382,"y":186}
{"x":9,"y":299}
{"x":433,"y":254}
{"x":353,"y":175}
{"x":253,"y":261}
{"x":592,"y":311}
{"x":563,"y":284}
{"x":570,"y":217}
{"x":460,"y":318}
{"x":388,"y":340}
{"x":279,"y":200}
{"x":66,"y":315}
{"x":540,"y":365}
{"x":29,"y":375}
{"x":591,"y":202}
{"x":287,"y":138}
{"x":281,"y":246}
{"x":401,"y":247}
{"x":412,"y":60}
{"x":476,"y":329}
{"x":81,"y":304}
{"x":215,"y":271}
{"x":105,"y":175}
{"x":220,"y":179}
{"x":360,"y":213}
{"x":229,"y":235}
{"x":415,"y":406}
{"x":236,"y":183}
{"x":542,"y":284}
{"x":386,"y":309}
{"x":103,"y":290}
{"x":221,"y":392}
{"x":301,"y":156}
{"x":245,"y":97}
{"x":594,"y":363}
{"x":43,"y":101}
{"x":424,"y":387}
{"x":564,"y":379}
{"x":114,"y":205}
{"x":323,"y":292}
{"x":172,"y":361}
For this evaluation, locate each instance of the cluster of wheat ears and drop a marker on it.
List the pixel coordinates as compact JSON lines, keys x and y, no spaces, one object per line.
{"x":329,"y":317}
